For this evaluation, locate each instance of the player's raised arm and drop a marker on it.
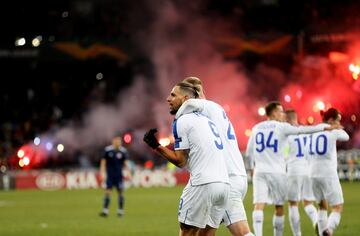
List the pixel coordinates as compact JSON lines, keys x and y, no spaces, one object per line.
{"x":340,"y":135}
{"x":191,"y":105}
{"x":250,"y":151}
{"x":288,"y":129}
{"x":178,"y":157}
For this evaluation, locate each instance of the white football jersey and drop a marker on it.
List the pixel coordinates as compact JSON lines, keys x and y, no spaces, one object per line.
{"x":266,"y":146}
{"x":198,"y":134}
{"x":233,"y":158}
{"x":323,"y":154}
{"x":297,"y":162}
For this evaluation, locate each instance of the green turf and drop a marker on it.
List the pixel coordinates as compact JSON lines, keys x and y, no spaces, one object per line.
{"x":150,"y":212}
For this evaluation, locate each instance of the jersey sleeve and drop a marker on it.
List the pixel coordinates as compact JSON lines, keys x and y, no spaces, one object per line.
{"x":191,"y":105}
{"x":340,"y":135}
{"x":125,"y":153}
{"x":288,"y":129}
{"x":104,"y":155}
{"x":287,"y":148}
{"x":180,"y":134}
{"x":250,"y":152}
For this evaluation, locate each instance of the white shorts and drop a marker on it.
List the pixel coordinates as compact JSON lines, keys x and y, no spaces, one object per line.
{"x":269,"y":188}
{"x":235,"y":209}
{"x":299,"y":188}
{"x":328,"y":189}
{"x":203,"y":205}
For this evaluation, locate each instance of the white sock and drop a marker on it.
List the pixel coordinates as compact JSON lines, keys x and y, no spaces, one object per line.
{"x":249,"y":234}
{"x":333,"y":221}
{"x":294,"y":217}
{"x":278,"y":224}
{"x":322,"y":221}
{"x":258,"y":219}
{"x":105,"y":210}
{"x":312,"y":213}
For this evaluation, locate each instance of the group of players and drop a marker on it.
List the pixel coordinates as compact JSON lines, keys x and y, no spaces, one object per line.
{"x":206,"y":144}
{"x":296,"y":163}
{"x":289,"y":162}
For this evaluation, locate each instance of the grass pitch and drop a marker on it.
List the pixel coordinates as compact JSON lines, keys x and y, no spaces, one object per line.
{"x":151,"y":212}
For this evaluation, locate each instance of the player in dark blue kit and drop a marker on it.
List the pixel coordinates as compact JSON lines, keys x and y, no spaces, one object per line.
{"x":111,"y":165}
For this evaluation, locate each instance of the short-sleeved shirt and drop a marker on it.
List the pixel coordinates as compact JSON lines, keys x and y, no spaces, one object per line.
{"x":297,"y":158}
{"x":266,"y":146}
{"x":199,"y":135}
{"x":233,"y":158}
{"x":115,"y":159}
{"x":323,"y":154}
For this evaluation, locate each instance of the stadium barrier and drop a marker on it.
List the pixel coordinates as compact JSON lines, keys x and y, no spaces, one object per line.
{"x":87,"y":179}
{"x":7,"y":182}
{"x":348,"y":165}
{"x":81,"y":179}
{"x":348,"y":170}
{"x":345,"y":173}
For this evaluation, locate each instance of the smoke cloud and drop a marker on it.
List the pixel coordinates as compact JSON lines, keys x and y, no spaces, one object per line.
{"x":129,"y":111}
{"x":180,"y":41}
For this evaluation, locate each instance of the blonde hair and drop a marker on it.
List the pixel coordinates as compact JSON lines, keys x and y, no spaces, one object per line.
{"x":193,"y":80}
{"x":197,"y":83}
{"x":189,"y":89}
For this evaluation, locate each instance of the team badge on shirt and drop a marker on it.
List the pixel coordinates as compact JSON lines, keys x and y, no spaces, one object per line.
{"x":119,"y":155}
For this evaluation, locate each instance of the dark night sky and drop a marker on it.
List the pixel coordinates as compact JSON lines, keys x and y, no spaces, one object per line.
{"x":230,"y":44}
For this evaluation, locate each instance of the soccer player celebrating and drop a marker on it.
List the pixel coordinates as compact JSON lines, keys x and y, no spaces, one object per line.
{"x":111,"y":165}
{"x":323,"y":172}
{"x":198,"y":146}
{"x":235,"y":216}
{"x":266,"y":150}
{"x":299,"y":186}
